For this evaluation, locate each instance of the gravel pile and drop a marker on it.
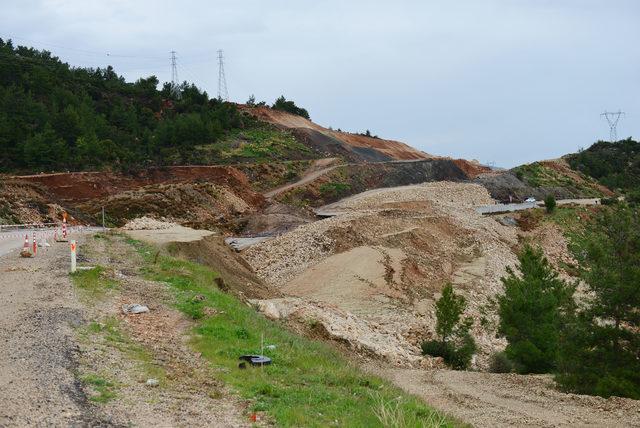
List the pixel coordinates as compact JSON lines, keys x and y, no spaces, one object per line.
{"x":444,"y":193}
{"x":147,"y":223}
{"x":279,"y":259}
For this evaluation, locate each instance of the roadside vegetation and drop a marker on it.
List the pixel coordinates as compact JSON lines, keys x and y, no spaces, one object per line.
{"x":550,"y":204}
{"x":308,"y":384}
{"x":602,"y":338}
{"x":94,"y":282}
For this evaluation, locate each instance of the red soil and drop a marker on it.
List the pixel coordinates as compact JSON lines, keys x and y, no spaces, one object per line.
{"x":83,"y":186}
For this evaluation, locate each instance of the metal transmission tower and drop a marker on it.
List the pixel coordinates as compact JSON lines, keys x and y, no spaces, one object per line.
{"x":223,"y":94}
{"x":175,"y":86}
{"x":612,"y":119}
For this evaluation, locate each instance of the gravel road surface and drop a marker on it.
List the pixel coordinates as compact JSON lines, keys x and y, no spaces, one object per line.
{"x":38,"y":351}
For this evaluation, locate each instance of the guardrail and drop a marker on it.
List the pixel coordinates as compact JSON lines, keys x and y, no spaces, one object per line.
{"x":26,"y":226}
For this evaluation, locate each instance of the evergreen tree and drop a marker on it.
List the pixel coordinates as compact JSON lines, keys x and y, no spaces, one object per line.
{"x":455,"y":345}
{"x":550,"y":203}
{"x":531,"y":312}
{"x":601,"y":347}
{"x":289,"y":106}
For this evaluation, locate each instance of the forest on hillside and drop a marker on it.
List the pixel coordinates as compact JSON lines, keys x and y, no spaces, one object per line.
{"x":55,"y":117}
{"x":615,"y":165}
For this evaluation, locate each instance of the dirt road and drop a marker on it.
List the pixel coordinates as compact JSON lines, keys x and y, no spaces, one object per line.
{"x":38,"y":352}
{"x":319,"y":168}
{"x":507,"y":400}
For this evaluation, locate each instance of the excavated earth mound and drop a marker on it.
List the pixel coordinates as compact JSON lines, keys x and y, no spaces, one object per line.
{"x":24,"y":202}
{"x":382,"y":263}
{"x":345,"y":180}
{"x":202,"y":196}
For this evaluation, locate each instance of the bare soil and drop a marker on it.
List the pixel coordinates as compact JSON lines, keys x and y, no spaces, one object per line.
{"x":507,"y":400}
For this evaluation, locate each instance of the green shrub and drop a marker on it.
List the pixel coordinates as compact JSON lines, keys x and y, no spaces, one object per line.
{"x":500,"y":363}
{"x":550,"y":203}
{"x":609,"y":201}
{"x":290,"y":107}
{"x":455,"y":356}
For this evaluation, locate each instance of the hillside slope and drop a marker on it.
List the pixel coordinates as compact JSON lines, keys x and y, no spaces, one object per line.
{"x":615,"y":165}
{"x":353,"y":147}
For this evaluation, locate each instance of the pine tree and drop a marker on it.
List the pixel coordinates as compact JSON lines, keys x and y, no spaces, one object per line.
{"x":601,"y":348}
{"x":455,"y":345}
{"x":531,"y":312}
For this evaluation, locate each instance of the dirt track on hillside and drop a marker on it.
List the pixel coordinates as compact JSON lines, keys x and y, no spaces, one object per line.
{"x":508,"y":400}
{"x":319,"y":167}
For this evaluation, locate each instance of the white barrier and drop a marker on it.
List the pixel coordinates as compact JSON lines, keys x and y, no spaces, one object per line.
{"x":40,"y":232}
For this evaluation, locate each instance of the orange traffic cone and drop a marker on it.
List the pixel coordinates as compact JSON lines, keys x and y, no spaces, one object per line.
{"x":25,"y":249}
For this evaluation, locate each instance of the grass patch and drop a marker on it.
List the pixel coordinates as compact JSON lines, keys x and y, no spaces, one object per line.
{"x":538,"y":175}
{"x":109,"y":329}
{"x":309,"y":383}
{"x":94,"y":281}
{"x":334,"y":189}
{"x":103,"y":389}
{"x":257,"y":142}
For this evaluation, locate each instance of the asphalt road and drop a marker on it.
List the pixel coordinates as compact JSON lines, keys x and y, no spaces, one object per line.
{"x":13,"y":240}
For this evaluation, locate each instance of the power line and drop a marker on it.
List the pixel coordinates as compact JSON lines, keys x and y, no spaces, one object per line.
{"x":612,"y":119}
{"x":223,"y":94}
{"x":84,"y":51}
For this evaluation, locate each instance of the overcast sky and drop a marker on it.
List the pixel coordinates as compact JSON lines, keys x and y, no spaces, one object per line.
{"x":495,"y":80}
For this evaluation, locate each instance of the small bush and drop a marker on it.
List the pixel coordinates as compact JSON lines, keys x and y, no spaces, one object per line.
{"x":609,"y":201}
{"x":455,"y":355}
{"x":550,"y":203}
{"x":500,"y":363}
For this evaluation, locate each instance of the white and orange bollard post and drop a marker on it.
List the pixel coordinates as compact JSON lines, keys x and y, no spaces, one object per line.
{"x":35,"y":244}
{"x":73,"y":255}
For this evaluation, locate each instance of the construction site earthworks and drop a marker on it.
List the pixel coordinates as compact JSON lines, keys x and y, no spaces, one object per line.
{"x":333,"y":259}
